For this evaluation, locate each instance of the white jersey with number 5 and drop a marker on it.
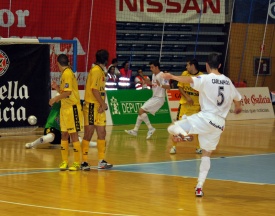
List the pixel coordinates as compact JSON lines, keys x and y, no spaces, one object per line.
{"x":216,"y":94}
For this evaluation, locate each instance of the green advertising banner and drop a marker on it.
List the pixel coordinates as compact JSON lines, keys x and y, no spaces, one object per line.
{"x":124,"y":106}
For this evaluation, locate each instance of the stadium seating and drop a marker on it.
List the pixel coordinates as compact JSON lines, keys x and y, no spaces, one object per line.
{"x":140,"y":43}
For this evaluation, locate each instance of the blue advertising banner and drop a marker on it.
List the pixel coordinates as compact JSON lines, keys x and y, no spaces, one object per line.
{"x":24,"y":84}
{"x":254,"y":11}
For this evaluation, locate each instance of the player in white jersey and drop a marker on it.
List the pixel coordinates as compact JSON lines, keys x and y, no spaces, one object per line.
{"x":216,"y":95}
{"x":159,"y":87}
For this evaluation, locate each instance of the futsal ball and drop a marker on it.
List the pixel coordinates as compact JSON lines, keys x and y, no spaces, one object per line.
{"x":32,"y":120}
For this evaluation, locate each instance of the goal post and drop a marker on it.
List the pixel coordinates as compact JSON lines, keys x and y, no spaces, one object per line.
{"x":68,"y":47}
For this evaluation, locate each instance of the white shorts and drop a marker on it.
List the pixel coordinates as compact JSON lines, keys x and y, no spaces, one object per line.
{"x":208,"y":130}
{"x":153,"y":104}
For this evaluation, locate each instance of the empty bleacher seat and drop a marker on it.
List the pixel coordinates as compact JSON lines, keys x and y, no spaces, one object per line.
{"x":123,"y":47}
{"x":156,"y":37}
{"x":177,"y":68}
{"x":146,"y":26}
{"x":123,"y":57}
{"x":152,"y":47}
{"x":119,"y":36}
{"x":131,"y":37}
{"x":172,"y":37}
{"x":179,"y":48}
{"x":119,"y":26}
{"x":145,"y":37}
{"x":185,"y":27}
{"x":152,"y":57}
{"x":167,"y":48}
{"x":158,"y":27}
{"x":172,"y":27}
{"x":166,"y":58}
{"x":137,"y":47}
{"x":178,"y":58}
{"x":185,"y":37}
{"x":137,"y":57}
{"x":131,"y":26}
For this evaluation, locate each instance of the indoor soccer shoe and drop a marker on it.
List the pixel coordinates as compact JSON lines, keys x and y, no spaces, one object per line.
{"x":198,"y":150}
{"x":198,"y":192}
{"x":85,"y":166}
{"x":181,"y":138}
{"x":74,"y":167}
{"x":131,"y":132}
{"x":63,"y":166}
{"x":173,"y":150}
{"x":28,"y":146}
{"x":150,"y":133}
{"x":104,"y":165}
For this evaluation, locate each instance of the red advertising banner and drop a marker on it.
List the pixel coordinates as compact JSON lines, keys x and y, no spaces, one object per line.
{"x":91,"y":22}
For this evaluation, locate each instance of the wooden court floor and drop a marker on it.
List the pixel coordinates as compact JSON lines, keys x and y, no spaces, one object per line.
{"x":146,"y":180}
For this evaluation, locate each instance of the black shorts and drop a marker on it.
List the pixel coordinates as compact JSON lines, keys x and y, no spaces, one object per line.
{"x":57,"y":135}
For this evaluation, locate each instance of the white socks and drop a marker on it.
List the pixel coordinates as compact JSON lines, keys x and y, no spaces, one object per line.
{"x":204,"y":168}
{"x":176,"y":130}
{"x":140,"y":119}
{"x":44,"y":139}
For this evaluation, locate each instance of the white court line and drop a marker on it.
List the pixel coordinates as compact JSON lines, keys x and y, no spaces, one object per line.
{"x":64,"y":209}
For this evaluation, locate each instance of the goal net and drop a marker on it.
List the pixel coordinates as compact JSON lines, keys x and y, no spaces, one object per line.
{"x":56,"y":47}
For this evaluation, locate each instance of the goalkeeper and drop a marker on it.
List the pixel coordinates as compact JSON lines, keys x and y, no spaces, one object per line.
{"x":52,"y":133}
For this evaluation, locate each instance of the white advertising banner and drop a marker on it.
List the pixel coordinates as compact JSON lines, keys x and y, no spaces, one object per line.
{"x":256,"y":104}
{"x":171,"y":11}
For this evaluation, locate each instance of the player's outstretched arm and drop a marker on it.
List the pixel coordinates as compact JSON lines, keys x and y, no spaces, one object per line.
{"x":183,"y":79}
{"x":238,"y":107}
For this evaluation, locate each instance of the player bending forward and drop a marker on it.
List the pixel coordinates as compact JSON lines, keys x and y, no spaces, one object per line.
{"x":216,"y":95}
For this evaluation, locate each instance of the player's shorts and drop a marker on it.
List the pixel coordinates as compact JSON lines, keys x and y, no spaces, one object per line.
{"x":153,"y":104}
{"x":186,"y":109}
{"x":208,"y":128}
{"x":57,"y":134}
{"x":71,"y":119}
{"x":92,"y":116}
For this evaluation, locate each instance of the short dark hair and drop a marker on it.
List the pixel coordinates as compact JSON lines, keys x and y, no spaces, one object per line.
{"x":155,"y":63}
{"x":102,"y":56}
{"x":124,"y":63}
{"x":195,"y":63}
{"x":63,"y":60}
{"x":110,"y":68}
{"x":114,"y":60}
{"x":214,"y":60}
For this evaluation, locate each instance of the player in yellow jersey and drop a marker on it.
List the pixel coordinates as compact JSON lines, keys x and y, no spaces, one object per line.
{"x":189,"y":101}
{"x":71,"y":116}
{"x":94,"y":111}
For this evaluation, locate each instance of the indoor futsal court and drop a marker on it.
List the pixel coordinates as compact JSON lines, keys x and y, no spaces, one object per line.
{"x":146,"y":179}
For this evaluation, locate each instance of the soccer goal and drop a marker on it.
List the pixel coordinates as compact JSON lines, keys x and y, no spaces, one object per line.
{"x":19,"y":101}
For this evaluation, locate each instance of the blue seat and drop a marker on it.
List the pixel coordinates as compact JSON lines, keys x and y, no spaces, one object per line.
{"x":152,"y":57}
{"x":157,"y":27}
{"x":171,"y":37}
{"x":179,"y":48}
{"x":119,"y":36}
{"x":145,"y":37}
{"x":146,"y":26}
{"x":166,"y":58}
{"x":119,"y":26}
{"x":137,"y":47}
{"x":123,"y":57}
{"x":167,"y":47}
{"x":131,"y":37}
{"x":177,"y":68}
{"x":185,"y":27}
{"x":178,"y":58}
{"x":156,"y":37}
{"x":123,"y":47}
{"x":172,"y":27}
{"x":185,"y":37}
{"x":152,"y":47}
{"x":131,"y":26}
{"x":137,"y":57}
